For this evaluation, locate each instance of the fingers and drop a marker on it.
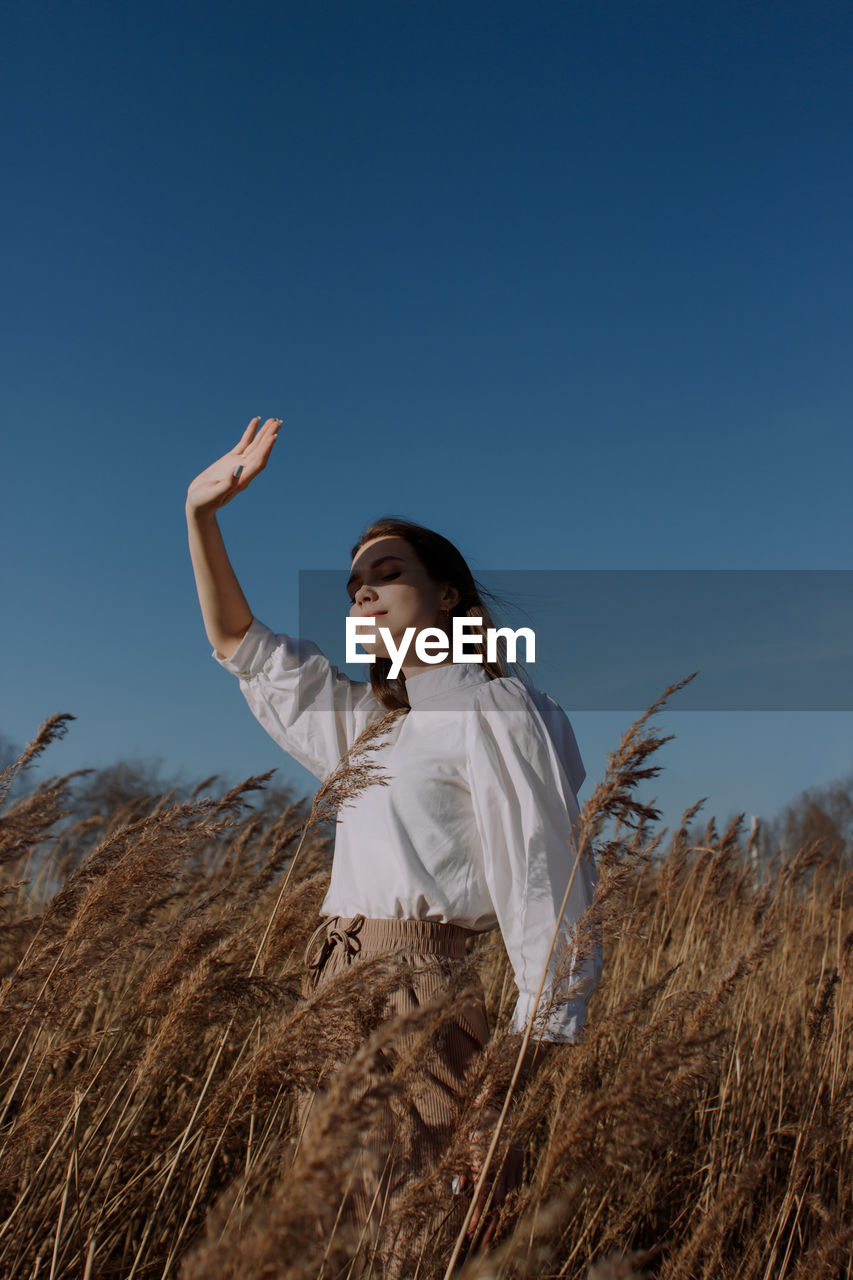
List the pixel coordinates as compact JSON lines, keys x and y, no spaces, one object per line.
{"x":251,"y":436}
{"x":254,"y":456}
{"x":508,"y":1181}
{"x":479,"y":1206}
{"x":258,"y":451}
{"x":492,"y":1228}
{"x":491,"y":1223}
{"x":247,"y":435}
{"x":275,"y":427}
{"x":489,"y":1232}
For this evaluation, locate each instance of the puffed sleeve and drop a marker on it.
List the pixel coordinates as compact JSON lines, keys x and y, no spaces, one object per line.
{"x":305,"y":704}
{"x":527,"y":817}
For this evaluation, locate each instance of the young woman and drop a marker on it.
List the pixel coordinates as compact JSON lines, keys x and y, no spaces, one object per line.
{"x":477,"y":825}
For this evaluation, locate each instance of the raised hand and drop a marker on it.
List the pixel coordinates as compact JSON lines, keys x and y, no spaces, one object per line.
{"x":218,"y":483}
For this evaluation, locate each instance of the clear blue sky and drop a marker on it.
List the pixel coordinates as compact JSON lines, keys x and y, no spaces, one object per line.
{"x":568,"y":282}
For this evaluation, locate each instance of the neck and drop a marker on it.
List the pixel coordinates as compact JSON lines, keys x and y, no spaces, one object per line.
{"x":414,"y":667}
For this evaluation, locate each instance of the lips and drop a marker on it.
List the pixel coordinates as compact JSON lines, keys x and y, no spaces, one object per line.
{"x":380,"y":614}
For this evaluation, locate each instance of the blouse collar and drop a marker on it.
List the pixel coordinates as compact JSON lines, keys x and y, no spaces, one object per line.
{"x":444,"y":679}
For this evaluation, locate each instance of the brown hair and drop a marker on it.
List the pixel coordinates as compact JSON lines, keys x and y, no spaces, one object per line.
{"x":444,"y":563}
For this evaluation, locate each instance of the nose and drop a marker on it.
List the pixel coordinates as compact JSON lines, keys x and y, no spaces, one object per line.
{"x":365,"y":595}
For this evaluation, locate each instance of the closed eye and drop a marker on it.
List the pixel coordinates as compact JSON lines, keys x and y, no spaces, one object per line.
{"x":388,"y":578}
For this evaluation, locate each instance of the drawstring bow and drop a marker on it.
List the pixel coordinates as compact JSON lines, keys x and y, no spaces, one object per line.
{"x":345,"y":935}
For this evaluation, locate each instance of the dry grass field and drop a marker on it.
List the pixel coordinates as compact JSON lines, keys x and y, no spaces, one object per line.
{"x":153,"y":1034}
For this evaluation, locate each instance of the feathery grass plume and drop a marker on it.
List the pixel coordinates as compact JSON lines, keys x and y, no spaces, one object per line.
{"x":233,"y":798}
{"x":726,"y":846}
{"x":277,"y":840}
{"x":706,"y":1233}
{"x":699,"y":1128}
{"x":343,"y":786}
{"x":612,"y":798}
{"x":29,"y":819}
{"x":214,"y":989}
{"x":353,"y":774}
{"x":53,"y":728}
{"x":619,"y":1266}
{"x":285,"y":944}
{"x":817,"y":1017}
{"x":89,"y":924}
{"x":372,"y":1062}
{"x":355,"y":770}
{"x":345,"y":783}
{"x":831,"y":1251}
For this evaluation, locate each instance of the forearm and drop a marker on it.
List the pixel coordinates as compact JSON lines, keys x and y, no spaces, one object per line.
{"x":224,"y":608}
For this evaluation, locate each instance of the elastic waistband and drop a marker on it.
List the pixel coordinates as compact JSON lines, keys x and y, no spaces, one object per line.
{"x":361,"y":935}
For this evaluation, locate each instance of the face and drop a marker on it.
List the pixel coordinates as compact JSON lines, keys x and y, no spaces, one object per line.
{"x":387,"y":578}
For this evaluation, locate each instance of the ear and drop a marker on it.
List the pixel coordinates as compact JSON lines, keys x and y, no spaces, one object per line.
{"x":450,"y":598}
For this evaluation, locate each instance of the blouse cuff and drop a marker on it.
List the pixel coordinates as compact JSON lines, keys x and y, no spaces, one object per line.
{"x":251,"y":653}
{"x":565,"y":1024}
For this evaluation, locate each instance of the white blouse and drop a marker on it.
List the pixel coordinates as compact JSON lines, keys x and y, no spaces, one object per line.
{"x":478,"y":823}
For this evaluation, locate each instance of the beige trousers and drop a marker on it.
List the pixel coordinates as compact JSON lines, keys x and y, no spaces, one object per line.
{"x":428,"y":951}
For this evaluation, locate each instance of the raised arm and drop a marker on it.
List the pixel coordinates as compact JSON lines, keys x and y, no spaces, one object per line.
{"x":312,"y":710}
{"x":225,"y":610}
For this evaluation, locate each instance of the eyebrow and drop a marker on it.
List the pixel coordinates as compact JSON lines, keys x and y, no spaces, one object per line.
{"x":356,"y":577}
